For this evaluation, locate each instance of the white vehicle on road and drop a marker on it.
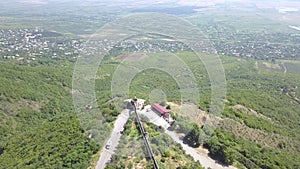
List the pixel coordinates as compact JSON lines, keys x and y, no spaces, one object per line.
{"x":107,"y":146}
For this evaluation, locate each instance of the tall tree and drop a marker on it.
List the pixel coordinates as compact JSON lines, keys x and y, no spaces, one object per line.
{"x":193,"y":137}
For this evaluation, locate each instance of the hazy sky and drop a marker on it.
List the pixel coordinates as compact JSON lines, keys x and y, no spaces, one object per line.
{"x":260,"y":3}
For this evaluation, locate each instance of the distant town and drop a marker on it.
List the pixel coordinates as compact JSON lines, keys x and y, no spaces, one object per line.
{"x":29,"y":45}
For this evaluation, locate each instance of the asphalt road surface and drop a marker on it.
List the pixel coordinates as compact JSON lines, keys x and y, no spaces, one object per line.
{"x":204,"y":159}
{"x":113,"y":140}
{"x":155,"y":119}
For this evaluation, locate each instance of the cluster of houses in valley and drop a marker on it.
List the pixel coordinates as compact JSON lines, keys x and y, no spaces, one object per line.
{"x":151,"y":46}
{"x":260,"y":46}
{"x":32,"y":44}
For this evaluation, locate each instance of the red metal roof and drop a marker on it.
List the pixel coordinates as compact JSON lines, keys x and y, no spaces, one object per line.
{"x":160,"y":108}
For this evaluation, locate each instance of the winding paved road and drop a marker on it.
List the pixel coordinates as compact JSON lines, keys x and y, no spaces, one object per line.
{"x":204,"y":159}
{"x":114,"y":139}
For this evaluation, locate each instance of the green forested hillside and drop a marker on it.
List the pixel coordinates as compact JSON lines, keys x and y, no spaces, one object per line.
{"x":39,"y":129}
{"x":40,"y":42}
{"x":260,"y":127}
{"x":260,"y":121}
{"x":38,"y":126}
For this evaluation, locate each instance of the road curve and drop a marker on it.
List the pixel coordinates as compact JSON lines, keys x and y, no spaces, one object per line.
{"x":114,"y":139}
{"x":204,"y":159}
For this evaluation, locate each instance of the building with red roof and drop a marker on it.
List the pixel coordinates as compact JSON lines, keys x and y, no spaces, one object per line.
{"x":161,"y":110}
